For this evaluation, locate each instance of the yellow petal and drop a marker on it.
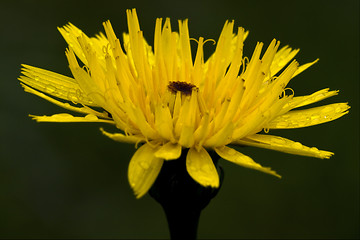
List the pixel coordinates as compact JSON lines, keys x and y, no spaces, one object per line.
{"x":304,"y":67}
{"x":123,"y":138}
{"x":309,"y":99}
{"x":65,"y":117}
{"x":169,"y":151}
{"x":201,"y":167}
{"x":187,"y":136}
{"x":84,"y":110}
{"x":236,"y":157}
{"x":86,"y":82}
{"x":222,"y":137}
{"x":283,"y":145}
{"x":71,"y":33}
{"x":309,"y":117}
{"x":143,"y":169}
{"x":282,"y":57}
{"x":54,"y":84}
{"x":163,"y":122}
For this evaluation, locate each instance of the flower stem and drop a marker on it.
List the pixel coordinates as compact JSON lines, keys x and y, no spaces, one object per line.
{"x":181,"y":197}
{"x":183,"y":222}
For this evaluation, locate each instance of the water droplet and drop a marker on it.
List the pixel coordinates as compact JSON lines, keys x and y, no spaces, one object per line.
{"x":79,"y":94}
{"x":144,"y":165}
{"x":278,"y":141}
{"x":193,"y":168}
{"x":231,"y":152}
{"x":314,"y":149}
{"x":297,"y":145}
{"x":72,"y":97}
{"x":91,"y":117}
{"x":63,"y":115}
{"x":314,"y":117}
{"x":206,"y":168}
{"x":301,"y":123}
{"x":327,"y":109}
{"x":338,"y":109}
{"x":50,"y":89}
{"x":282,"y":124}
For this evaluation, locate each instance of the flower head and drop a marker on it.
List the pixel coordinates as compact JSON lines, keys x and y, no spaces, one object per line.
{"x":170,"y":101}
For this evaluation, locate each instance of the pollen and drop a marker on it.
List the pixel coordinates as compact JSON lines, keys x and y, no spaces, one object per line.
{"x":183,"y":87}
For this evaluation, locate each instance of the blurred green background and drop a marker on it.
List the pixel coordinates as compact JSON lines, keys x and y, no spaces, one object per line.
{"x":69,"y":181}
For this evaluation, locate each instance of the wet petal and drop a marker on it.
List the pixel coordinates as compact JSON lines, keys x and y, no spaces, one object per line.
{"x":236,"y":157}
{"x":169,"y":151}
{"x":201,"y":167}
{"x":54,"y":84}
{"x":71,"y":33}
{"x":164,"y":122}
{"x":65,"y":117}
{"x":304,"y":67}
{"x":84,"y":110}
{"x":282,"y":57}
{"x":308,"y":99}
{"x":143,"y":169}
{"x":123,"y":138}
{"x":86,"y":82}
{"x":309,"y":117}
{"x":283,"y":145}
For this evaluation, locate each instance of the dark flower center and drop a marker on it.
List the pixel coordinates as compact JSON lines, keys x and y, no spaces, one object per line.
{"x":183,"y":87}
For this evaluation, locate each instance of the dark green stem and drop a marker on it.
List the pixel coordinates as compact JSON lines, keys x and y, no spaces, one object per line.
{"x":181,"y":197}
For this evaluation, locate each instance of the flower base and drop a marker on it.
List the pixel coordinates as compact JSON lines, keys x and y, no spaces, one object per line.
{"x":181,"y":197}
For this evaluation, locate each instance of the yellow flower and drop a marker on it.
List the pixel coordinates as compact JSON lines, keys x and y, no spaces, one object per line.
{"x":169,"y":101}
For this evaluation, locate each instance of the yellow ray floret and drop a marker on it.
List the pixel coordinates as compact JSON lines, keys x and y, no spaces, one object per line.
{"x":236,"y":157}
{"x":283,"y":145}
{"x":176,"y":102}
{"x":65,"y":117}
{"x":309,"y":117}
{"x":143,"y":169}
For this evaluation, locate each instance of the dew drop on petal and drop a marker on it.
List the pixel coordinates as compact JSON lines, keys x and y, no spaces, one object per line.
{"x":231,"y":152}
{"x":297,"y":145}
{"x":72,"y":97}
{"x":278,"y":141}
{"x":193,"y":169}
{"x":91,"y":117}
{"x":314,"y":117}
{"x":314,"y":149}
{"x":50,"y":88}
{"x":282,"y":124}
{"x":144,"y":165}
{"x":79,"y":94}
{"x":301,"y":123}
{"x":63,"y":115}
{"x":206,"y":168}
{"x":327,"y":109}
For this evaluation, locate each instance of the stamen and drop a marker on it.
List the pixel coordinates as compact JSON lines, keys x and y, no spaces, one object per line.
{"x":183,"y":87}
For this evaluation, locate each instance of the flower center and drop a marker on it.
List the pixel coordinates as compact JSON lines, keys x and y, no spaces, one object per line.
{"x":184,"y":87}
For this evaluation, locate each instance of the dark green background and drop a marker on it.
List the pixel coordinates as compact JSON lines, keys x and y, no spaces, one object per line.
{"x":69,"y":181}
